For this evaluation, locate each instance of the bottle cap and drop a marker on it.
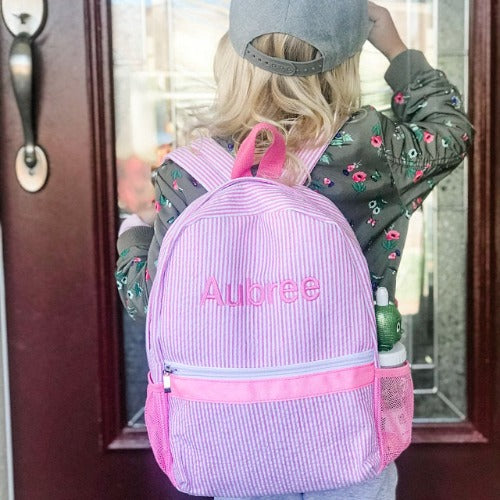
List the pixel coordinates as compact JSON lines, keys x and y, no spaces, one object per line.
{"x":395,"y":357}
{"x":382,"y":296}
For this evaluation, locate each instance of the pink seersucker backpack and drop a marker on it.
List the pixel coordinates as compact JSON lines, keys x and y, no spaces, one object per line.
{"x":261,"y":338}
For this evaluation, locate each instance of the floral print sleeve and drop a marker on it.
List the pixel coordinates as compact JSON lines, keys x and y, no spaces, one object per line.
{"x":138,"y":247}
{"x":379,"y":169}
{"x":431,"y":133}
{"x":428,"y":139}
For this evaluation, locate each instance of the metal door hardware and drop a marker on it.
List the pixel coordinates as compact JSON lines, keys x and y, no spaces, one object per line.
{"x":25,"y":19}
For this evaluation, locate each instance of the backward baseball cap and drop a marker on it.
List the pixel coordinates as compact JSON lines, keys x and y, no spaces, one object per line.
{"x":336,"y":28}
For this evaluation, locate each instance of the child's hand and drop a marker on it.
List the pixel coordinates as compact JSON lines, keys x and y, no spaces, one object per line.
{"x":384,"y":35}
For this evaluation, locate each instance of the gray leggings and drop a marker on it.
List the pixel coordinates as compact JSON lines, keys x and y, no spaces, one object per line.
{"x":382,"y":487}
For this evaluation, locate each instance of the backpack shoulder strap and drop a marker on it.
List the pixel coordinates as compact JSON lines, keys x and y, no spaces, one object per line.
{"x":211,"y":165}
{"x":310,"y":157}
{"x":205,"y":160}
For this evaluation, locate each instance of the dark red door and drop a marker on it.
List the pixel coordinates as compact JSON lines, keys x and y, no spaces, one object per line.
{"x":70,"y":434}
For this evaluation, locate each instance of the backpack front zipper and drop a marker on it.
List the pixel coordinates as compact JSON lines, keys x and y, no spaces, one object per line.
{"x":229,"y":374}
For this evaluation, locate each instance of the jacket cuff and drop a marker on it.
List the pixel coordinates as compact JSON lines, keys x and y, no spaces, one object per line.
{"x":131,"y":220}
{"x":405,"y":67}
{"x":134,"y":237}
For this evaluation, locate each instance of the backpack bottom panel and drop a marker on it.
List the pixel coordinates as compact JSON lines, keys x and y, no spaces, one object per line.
{"x":237,"y":450}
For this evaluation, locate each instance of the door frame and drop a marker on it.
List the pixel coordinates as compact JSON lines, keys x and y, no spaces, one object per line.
{"x":483,"y":232}
{"x":76,"y":107}
{"x":6,"y":470}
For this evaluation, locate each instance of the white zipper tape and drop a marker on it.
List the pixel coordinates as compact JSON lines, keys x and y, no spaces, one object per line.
{"x":182,"y":370}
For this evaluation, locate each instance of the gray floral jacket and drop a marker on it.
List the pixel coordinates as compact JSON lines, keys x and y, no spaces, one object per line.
{"x":377,"y":170}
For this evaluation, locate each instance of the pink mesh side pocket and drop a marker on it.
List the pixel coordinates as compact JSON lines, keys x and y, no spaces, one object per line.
{"x":394,"y":401}
{"x":156,"y":415}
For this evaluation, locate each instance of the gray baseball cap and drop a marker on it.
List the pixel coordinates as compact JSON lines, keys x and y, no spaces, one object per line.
{"x":336,"y":28}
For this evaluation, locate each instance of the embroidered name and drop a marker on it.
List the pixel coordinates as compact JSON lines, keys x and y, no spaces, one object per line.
{"x":257,"y":294}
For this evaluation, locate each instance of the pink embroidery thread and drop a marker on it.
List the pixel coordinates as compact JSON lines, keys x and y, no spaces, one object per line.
{"x":257,"y":294}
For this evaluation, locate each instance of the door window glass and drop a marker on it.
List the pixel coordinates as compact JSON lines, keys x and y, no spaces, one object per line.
{"x":162,"y":63}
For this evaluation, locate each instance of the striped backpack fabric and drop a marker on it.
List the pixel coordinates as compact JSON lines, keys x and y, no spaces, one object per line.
{"x":261,"y":338}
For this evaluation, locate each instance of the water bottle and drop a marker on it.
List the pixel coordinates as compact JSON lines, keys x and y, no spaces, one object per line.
{"x":392,"y":352}
{"x":393,"y":358}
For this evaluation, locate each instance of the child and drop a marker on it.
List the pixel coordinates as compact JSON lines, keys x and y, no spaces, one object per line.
{"x":377,"y":171}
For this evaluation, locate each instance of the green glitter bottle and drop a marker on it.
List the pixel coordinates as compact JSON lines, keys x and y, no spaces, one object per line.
{"x":388,"y":320}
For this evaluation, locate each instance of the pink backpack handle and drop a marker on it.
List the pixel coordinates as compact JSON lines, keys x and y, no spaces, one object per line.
{"x":273,"y":161}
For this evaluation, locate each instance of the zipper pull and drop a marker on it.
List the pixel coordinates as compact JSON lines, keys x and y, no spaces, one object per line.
{"x":167,"y":383}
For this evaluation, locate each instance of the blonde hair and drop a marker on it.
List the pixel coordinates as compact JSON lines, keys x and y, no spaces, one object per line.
{"x":307,"y":109}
